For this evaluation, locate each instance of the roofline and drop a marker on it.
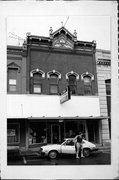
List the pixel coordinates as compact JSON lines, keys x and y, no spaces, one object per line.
{"x":14,"y":47}
{"x":62,"y":28}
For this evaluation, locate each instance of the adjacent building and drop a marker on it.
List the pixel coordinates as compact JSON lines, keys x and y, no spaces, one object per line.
{"x":55,"y":89}
{"x":103,"y":59}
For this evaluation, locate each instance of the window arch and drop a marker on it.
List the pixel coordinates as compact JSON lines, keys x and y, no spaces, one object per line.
{"x":36,"y":80}
{"x":55,"y":73}
{"x":37,"y":71}
{"x":87,"y":82}
{"x":72,"y":73}
{"x":72,"y":78}
{"x":53,"y":77}
{"x":87,"y":74}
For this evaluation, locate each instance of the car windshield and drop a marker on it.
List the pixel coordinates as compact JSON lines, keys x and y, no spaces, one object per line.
{"x":68,"y":142}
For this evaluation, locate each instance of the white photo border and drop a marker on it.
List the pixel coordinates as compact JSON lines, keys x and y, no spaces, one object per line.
{"x":38,"y":8}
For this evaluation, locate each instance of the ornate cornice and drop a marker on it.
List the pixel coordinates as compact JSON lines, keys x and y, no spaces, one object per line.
{"x":14,"y":50}
{"x":104,"y":62}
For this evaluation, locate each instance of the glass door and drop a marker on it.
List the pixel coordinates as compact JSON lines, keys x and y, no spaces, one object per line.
{"x":55,"y":133}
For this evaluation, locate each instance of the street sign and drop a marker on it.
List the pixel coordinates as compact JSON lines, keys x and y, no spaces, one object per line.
{"x":65,"y":96}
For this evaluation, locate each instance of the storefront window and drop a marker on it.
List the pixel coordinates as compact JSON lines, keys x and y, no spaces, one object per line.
{"x":54,"y":131}
{"x":72,"y":128}
{"x":37,"y":133}
{"x":13,"y":133}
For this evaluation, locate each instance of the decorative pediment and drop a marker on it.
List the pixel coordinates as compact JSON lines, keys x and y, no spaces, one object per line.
{"x":63,"y":42}
{"x":14,"y":65}
{"x":62,"y":30}
{"x":62,"y":38}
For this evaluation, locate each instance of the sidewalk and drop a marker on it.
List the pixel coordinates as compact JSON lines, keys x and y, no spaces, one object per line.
{"x":106,"y":148}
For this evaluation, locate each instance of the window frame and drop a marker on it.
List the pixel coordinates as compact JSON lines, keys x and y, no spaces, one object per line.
{"x":18,"y":129}
{"x":8,"y":79}
{"x":55,"y":83}
{"x":72,"y":73}
{"x":42,"y":74}
{"x":87,"y":87}
{"x":91,"y":76}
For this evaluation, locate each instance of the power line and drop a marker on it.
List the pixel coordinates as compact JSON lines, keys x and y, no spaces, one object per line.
{"x":66,"y":21}
{"x":14,"y":35}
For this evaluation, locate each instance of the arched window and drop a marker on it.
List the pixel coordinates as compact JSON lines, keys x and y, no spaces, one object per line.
{"x":72,"y":78}
{"x":53,"y":84}
{"x":37,"y":77}
{"x":13,"y":71}
{"x":54,"y":77}
{"x":37,"y":83}
{"x":72,"y":83}
{"x":87,"y":82}
{"x":87,"y":85}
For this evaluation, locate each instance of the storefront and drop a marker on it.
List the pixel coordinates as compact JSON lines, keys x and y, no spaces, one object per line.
{"x":28,"y":126}
{"x":54,"y":131}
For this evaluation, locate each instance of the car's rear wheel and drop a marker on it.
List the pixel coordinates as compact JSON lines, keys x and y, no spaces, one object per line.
{"x":52,"y":154}
{"x":86,"y":152}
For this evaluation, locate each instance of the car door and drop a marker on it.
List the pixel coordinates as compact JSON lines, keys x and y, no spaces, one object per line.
{"x":68,"y":147}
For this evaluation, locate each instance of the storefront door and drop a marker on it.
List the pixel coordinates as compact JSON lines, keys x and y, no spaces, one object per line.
{"x":93,"y":131}
{"x":55,"y":133}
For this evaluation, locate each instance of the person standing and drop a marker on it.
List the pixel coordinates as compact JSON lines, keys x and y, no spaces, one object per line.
{"x":78,"y":145}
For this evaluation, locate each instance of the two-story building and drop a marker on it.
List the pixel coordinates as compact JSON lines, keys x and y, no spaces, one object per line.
{"x":53,"y":90}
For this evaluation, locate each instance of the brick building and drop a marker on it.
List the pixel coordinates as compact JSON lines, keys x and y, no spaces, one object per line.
{"x":39,"y":73}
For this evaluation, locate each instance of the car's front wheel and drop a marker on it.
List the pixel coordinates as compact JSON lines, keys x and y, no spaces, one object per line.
{"x":86,"y":152}
{"x":52,"y":154}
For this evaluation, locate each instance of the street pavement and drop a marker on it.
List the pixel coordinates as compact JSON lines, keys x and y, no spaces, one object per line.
{"x":101,"y":157}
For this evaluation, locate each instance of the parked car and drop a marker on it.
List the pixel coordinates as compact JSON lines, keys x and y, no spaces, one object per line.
{"x":67,"y":147}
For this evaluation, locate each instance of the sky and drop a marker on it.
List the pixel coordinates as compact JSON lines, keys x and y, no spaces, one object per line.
{"x":88,"y":28}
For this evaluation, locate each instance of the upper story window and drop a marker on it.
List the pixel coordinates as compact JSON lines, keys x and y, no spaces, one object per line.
{"x":72,"y":78}
{"x":72,"y":84}
{"x":54,"y":77}
{"x":87,"y":85}
{"x":37,"y":77}
{"x":12,"y":79}
{"x":37,"y":84}
{"x":108,"y":95}
{"x":87,"y":81}
{"x":108,"y":87}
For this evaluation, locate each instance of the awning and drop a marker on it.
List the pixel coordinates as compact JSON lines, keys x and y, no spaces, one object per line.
{"x":24,"y":106}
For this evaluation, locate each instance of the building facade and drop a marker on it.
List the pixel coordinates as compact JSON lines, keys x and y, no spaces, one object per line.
{"x":41,"y":74}
{"x":103,"y":59}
